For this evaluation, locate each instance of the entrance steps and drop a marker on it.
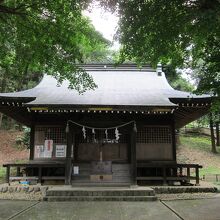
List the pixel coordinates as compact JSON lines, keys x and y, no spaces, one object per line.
{"x":100,"y":184}
{"x":68,"y":193}
{"x":120,"y":176}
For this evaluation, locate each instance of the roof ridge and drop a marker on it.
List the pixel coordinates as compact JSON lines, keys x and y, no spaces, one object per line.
{"x":114,"y":67}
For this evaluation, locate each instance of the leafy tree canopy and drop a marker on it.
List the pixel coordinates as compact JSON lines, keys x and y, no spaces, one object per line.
{"x":48,"y":36}
{"x":176,"y":80}
{"x":178,"y":32}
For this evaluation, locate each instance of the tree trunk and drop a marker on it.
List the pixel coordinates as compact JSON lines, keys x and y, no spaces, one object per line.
{"x":1,"y":117}
{"x":3,"y":89}
{"x":212,"y":134}
{"x":217,"y":134}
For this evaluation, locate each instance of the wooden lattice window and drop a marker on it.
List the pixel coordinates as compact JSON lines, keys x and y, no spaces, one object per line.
{"x":154,"y":135}
{"x":50,"y":142}
{"x":57,"y":134}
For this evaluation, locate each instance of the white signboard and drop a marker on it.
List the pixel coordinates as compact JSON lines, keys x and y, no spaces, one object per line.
{"x":39,"y":151}
{"x":75,"y":170}
{"x":60,"y":150}
{"x":48,"y":144}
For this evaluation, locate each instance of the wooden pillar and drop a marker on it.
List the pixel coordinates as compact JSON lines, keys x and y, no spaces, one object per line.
{"x":40,"y":174}
{"x":32,"y":133}
{"x":197,"y":176}
{"x":133,"y":158}
{"x":173,"y":134}
{"x":68,"y":168}
{"x":18,"y":173}
{"x":164,"y":175}
{"x":188,"y":174}
{"x":7,"y":177}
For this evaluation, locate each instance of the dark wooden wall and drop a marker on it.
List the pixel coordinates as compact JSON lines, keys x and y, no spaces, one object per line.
{"x":115,"y":152}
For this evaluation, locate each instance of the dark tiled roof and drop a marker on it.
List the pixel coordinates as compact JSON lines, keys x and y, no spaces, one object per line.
{"x":125,"y":85}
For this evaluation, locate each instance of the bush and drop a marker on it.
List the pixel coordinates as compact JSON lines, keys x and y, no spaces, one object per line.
{"x":23,"y":141}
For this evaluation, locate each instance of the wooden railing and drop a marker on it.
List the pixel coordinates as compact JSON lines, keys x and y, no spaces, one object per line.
{"x":33,"y":165}
{"x":167,"y":172}
{"x":171,"y":172}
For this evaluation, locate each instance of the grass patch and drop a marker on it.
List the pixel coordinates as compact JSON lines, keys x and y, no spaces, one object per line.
{"x":2,"y":174}
{"x":209,"y":171}
{"x":21,"y":161}
{"x":202,"y":145}
{"x":197,"y":141}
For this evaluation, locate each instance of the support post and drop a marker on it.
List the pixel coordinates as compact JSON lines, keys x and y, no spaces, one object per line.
{"x":32,"y":142}
{"x":188,"y":174}
{"x":164,"y":176}
{"x":40,"y":175}
{"x":173,"y":139}
{"x":8,"y":174}
{"x":18,"y":173}
{"x":133,"y":158}
{"x":68,"y":170}
{"x":197,"y":176}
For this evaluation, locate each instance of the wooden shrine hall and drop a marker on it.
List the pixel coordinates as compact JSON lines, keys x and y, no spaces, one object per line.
{"x":122,"y":132}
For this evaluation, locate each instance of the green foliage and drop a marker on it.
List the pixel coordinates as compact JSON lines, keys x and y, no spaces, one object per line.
{"x":176,"y":80}
{"x":47,"y":36}
{"x":23,"y":141}
{"x":196,"y":142}
{"x":2,"y":174}
{"x":209,"y":170}
{"x":201,"y":143}
{"x":208,"y":69}
{"x":177,"y":32}
{"x":203,"y":121}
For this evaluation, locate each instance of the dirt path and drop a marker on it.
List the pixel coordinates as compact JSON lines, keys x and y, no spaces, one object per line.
{"x":186,"y":154}
{"x":8,"y":153}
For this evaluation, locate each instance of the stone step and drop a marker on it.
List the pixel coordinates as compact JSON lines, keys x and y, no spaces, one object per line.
{"x":102,"y":193}
{"x":97,"y":192}
{"x":114,"y":178}
{"x":99,"y":198}
{"x":79,"y":183}
{"x":113,"y":182}
{"x":120,"y":173}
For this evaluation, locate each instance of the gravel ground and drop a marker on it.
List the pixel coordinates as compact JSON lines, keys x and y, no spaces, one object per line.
{"x":18,"y":192}
{"x":182,"y":196}
{"x":37,"y":195}
{"x":22,"y":196}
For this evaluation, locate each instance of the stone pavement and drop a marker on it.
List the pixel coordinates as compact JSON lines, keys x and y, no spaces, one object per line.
{"x":202,"y":209}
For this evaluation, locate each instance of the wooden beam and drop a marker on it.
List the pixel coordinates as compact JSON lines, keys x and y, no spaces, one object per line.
{"x":68,"y":170}
{"x":19,"y":114}
{"x":32,"y":133}
{"x":173,"y":133}
{"x":133,"y":158}
{"x":7,"y":177}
